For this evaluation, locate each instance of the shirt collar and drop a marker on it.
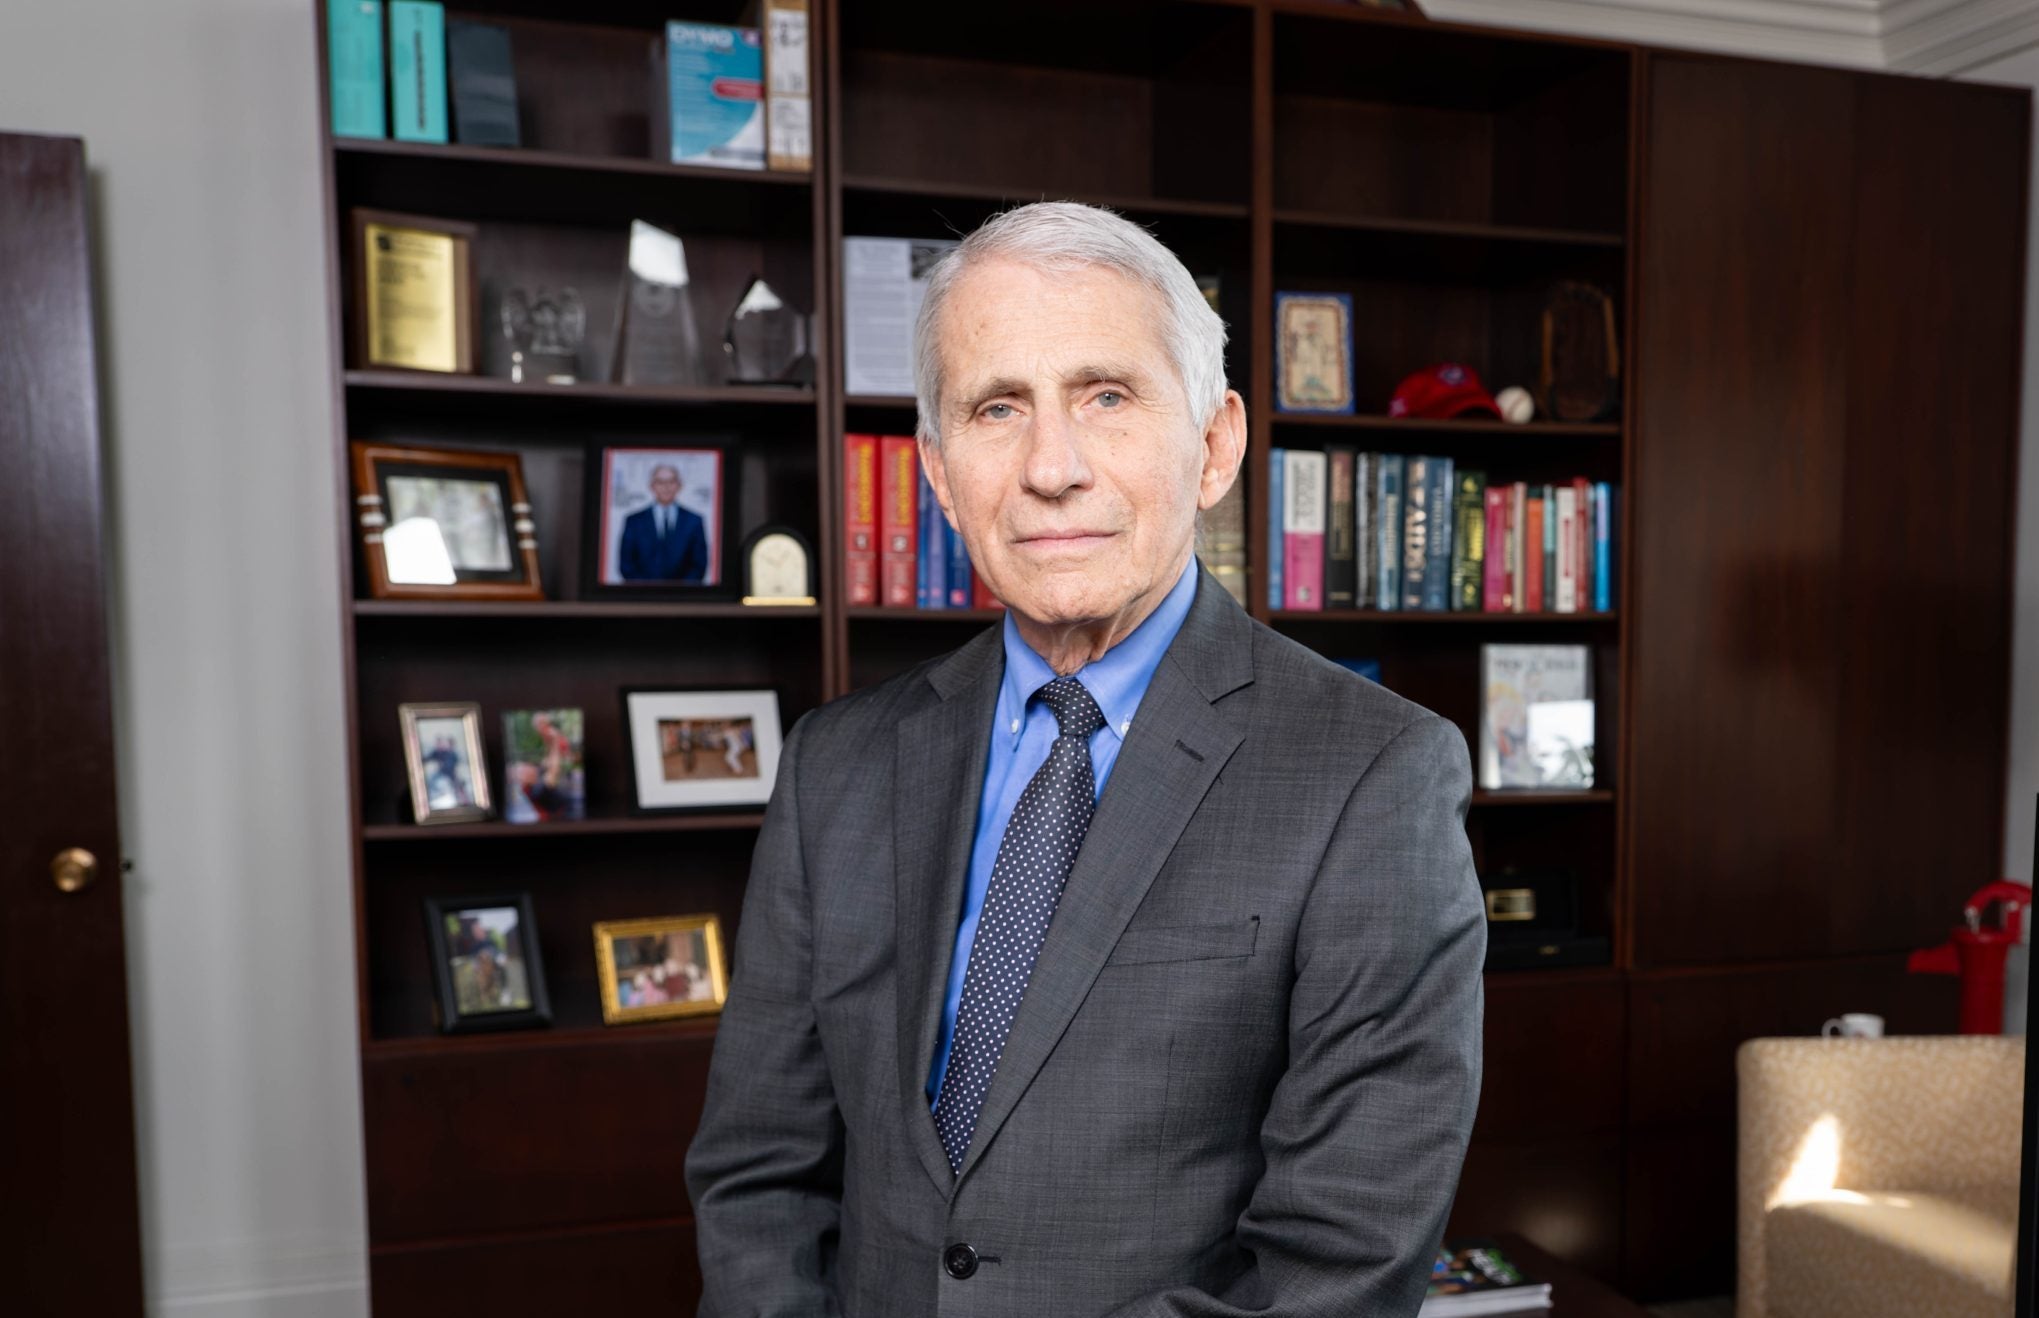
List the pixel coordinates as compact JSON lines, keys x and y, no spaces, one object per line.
{"x":1116,"y":681}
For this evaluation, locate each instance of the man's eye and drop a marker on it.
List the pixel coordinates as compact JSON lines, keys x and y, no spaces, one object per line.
{"x":998,"y":411}
{"x":1111,"y":398}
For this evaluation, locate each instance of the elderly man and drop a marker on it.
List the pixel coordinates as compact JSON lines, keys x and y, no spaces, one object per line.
{"x":663,"y":541}
{"x":1126,"y":960}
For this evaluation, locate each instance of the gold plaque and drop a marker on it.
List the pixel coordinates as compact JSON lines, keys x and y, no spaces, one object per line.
{"x":1504,"y":904}
{"x":414,"y":293}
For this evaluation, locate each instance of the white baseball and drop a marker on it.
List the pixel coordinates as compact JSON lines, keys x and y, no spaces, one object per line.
{"x":1515,"y":403}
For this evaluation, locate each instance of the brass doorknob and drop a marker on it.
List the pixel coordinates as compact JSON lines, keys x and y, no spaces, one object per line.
{"x":74,"y":869}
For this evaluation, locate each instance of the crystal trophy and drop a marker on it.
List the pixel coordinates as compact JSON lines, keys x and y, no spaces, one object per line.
{"x":766,"y":341}
{"x":657,"y":339}
{"x":545,"y":330}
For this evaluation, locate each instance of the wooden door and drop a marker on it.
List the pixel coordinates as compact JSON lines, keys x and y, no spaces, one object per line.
{"x":69,"y":1231}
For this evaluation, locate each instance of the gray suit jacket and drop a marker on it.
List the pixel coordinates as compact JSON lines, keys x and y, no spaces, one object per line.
{"x":1245,"y":1069}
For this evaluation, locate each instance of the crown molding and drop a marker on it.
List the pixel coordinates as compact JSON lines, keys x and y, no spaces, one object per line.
{"x":1942,"y":38}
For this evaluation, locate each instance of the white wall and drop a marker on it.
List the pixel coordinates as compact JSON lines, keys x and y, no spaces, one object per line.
{"x":200,"y":124}
{"x":2022,"y":70}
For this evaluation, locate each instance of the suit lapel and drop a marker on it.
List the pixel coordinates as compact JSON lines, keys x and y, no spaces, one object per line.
{"x":938,"y":775}
{"x":1178,"y":743}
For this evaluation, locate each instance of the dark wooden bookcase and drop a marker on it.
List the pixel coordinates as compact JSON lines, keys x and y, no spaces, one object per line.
{"x":1444,"y":176}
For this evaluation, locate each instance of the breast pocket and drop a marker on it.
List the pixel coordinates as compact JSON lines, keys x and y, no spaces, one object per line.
{"x":1194,"y":942}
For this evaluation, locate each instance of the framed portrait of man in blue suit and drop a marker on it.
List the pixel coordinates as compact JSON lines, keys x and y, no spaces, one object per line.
{"x":658,"y":520}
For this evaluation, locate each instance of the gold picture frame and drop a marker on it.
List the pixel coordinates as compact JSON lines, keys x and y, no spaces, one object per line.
{"x":660,"y":968}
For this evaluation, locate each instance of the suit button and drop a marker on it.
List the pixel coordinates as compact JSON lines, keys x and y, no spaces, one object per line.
{"x":960,"y":1261}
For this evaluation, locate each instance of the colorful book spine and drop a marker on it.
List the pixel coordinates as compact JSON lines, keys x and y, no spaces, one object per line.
{"x":1469,"y":541}
{"x":931,"y":580}
{"x":1388,"y":588}
{"x":1583,"y":491}
{"x":354,"y":68}
{"x":1366,"y":541}
{"x":1303,"y":529}
{"x":1567,"y":596}
{"x":980,"y":594}
{"x":1437,"y":552}
{"x":1415,"y":528}
{"x":899,"y":524}
{"x":1533,"y":537}
{"x":860,"y":519}
{"x":1494,"y":569}
{"x":1518,"y":546}
{"x":1341,"y":554}
{"x":417,"y":70}
{"x":1603,"y":547}
{"x":1277,"y":462}
{"x":959,"y":564}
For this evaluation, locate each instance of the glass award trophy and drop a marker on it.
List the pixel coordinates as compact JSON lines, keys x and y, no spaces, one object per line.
{"x":658,"y":341}
{"x":766,"y":341}
{"x":545,"y":330}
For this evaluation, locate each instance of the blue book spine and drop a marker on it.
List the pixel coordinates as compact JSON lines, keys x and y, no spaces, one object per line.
{"x":1389,"y":592}
{"x":1437,"y":496}
{"x":934,"y":554}
{"x":354,"y":67}
{"x":1276,"y":460}
{"x":1603,"y":545}
{"x":959,"y":564}
{"x":417,"y":69}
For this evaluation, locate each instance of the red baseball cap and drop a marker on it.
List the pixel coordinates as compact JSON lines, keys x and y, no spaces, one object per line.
{"x":1440,"y":391}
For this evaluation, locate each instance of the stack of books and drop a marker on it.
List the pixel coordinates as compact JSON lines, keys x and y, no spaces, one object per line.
{"x":899,"y":550}
{"x":1410,"y":532}
{"x":1475,"y":1277}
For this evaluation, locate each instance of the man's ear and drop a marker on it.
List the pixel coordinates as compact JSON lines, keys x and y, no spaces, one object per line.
{"x":937,"y":477}
{"x":1224,"y":449}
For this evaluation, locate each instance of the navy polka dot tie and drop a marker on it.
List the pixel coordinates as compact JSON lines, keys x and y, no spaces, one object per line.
{"x":1034,"y":858}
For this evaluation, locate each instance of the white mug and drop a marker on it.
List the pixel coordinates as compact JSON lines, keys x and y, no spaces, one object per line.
{"x":1854,"y":1025}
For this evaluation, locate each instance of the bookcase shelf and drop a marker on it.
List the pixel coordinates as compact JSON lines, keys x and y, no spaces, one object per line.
{"x":1500,"y":233}
{"x":1133,"y":204}
{"x":1455,"y":426}
{"x":1539,"y":796}
{"x":575,"y":610}
{"x":591,"y":392}
{"x":530,"y":159}
{"x":868,"y":613}
{"x":1396,"y":617}
{"x":690,"y":823}
{"x":513,"y":1041}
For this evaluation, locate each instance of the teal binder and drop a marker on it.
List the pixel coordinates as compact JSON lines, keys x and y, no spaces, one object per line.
{"x":354,"y":67}
{"x":417,"y":70}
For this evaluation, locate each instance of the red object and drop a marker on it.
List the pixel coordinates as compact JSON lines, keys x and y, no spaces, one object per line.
{"x":980,"y":594}
{"x":1977,"y":955}
{"x":1532,"y":549}
{"x":1494,"y":567}
{"x":1440,"y":391}
{"x":860,"y":517}
{"x":898,"y":522}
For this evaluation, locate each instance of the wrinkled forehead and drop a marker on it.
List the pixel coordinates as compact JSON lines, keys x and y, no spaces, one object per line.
{"x":1007,"y":319}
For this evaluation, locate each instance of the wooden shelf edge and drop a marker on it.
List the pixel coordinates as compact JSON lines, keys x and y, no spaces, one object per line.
{"x":865,"y":613}
{"x":1453,"y":426}
{"x":531,"y":158}
{"x":534,"y":1040}
{"x":1467,"y":229}
{"x":453,"y":610}
{"x":910,"y":187}
{"x":590,"y":391}
{"x":1429,"y":615}
{"x":496,"y":828}
{"x":1541,"y":796}
{"x":906,"y":401}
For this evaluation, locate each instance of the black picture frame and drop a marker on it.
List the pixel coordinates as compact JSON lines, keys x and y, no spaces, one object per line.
{"x":537,"y":1010}
{"x":606,"y":525}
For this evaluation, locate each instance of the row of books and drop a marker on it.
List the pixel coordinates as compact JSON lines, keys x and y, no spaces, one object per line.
{"x":733,"y":97}
{"x":901,"y":551}
{"x":1410,"y":532}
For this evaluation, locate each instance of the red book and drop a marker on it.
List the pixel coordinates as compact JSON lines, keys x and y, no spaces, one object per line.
{"x":898,"y":521}
{"x":1494,"y":567}
{"x":1303,"y":494}
{"x":1532,"y":585}
{"x":980,"y":594}
{"x":860,"y":517}
{"x":1582,"y":528}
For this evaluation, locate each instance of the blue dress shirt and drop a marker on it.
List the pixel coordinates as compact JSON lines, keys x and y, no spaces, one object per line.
{"x":1020,"y":737}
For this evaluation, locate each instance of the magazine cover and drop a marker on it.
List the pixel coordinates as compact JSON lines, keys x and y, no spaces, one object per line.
{"x":1536,"y":717}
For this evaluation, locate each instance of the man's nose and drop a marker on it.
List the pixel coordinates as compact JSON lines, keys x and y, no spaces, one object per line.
{"x":1054,"y":462}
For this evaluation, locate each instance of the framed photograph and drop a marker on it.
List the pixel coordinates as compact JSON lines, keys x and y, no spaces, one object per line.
{"x":1313,"y":352}
{"x":485,"y":963}
{"x":442,"y":750}
{"x":543,"y":774}
{"x":702,"y":749}
{"x":414,"y":292}
{"x":444,"y":524}
{"x":659,"y":522}
{"x":660,"y":968}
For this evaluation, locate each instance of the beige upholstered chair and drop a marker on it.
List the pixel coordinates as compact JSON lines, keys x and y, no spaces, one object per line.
{"x":1878,"y":1176}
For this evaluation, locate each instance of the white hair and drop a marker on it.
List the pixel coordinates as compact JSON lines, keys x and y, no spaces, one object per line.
{"x":1059,"y":236}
